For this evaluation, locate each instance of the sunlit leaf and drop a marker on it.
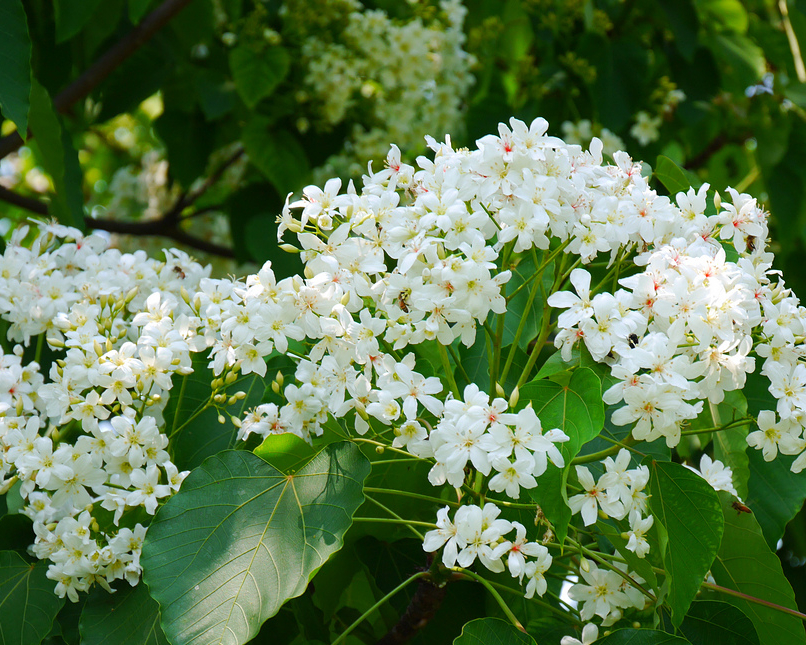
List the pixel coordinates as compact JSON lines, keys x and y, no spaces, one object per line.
{"x":241,"y":538}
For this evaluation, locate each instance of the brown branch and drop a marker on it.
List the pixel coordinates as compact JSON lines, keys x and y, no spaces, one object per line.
{"x":709,"y":151}
{"x":160,"y":227}
{"x":187,"y":198}
{"x":105,"y":65}
{"x":28,"y":203}
{"x":425,"y":602}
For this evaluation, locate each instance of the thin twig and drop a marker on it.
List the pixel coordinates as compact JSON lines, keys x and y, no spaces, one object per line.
{"x":106,"y":64}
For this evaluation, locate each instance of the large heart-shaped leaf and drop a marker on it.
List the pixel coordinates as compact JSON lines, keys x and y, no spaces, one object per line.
{"x":746,"y":564}
{"x":241,"y":538}
{"x":127,"y":617}
{"x":689,"y":516}
{"x":492,"y":631}
{"x":27,"y":602}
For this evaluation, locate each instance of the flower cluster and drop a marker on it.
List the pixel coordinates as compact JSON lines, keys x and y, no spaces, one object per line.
{"x":618,"y":493}
{"x":606,"y":593}
{"x":478,"y":533}
{"x":90,"y":438}
{"x":404,"y":77}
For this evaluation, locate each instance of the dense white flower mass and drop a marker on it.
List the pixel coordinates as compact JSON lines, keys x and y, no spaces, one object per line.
{"x":410,"y":267}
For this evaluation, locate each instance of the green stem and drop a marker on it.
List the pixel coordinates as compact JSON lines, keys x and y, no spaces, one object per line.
{"x":727,"y":426}
{"x":179,"y":403}
{"x":540,"y":270}
{"x":753,"y":599}
{"x":540,"y":602}
{"x":419,"y":535}
{"x":405,"y":493}
{"x":392,"y":520}
{"x":607,"y":452}
{"x":459,"y":365}
{"x":368,"y":612}
{"x":522,"y":323}
{"x":501,"y":603}
{"x":446,"y":364}
{"x":40,"y":343}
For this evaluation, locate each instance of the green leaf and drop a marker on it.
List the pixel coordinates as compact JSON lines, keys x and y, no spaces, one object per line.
{"x":578,"y":411}
{"x":746,"y":564}
{"x":286,"y":451}
{"x":712,"y":621}
{"x":516,"y":308}
{"x":137,"y":9}
{"x":686,"y":506}
{"x":71,"y":16}
{"x":277,"y":154}
{"x":672,"y":176}
{"x":27,"y":602}
{"x":127,"y":617}
{"x":193,"y":426}
{"x":728,"y":13}
{"x":15,"y":65}
{"x":58,"y":157}
{"x":775,"y":493}
{"x":258,"y":73}
{"x":241,"y":538}
{"x":492,"y":631}
{"x":641,"y":637}
{"x":730,"y":446}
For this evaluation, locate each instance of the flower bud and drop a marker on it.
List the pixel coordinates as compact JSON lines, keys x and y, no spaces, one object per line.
{"x":221,"y":419}
{"x":514,"y":397}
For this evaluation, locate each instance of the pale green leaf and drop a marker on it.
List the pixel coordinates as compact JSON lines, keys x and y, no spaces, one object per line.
{"x":15,"y":65}
{"x":746,"y":564}
{"x":241,"y":538}
{"x":686,"y":506}
{"x":28,"y":604}
{"x":492,"y":631}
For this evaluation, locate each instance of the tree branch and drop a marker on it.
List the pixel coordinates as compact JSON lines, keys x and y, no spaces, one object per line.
{"x":106,"y":64}
{"x":28,"y":203}
{"x":160,"y":227}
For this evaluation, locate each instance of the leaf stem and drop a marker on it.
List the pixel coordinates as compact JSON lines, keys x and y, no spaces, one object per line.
{"x":405,"y":493}
{"x":501,"y":602}
{"x":368,"y":612}
{"x":419,"y":535}
{"x":446,"y":364}
{"x":393,"y":520}
{"x":597,"y":456}
{"x":753,"y":599}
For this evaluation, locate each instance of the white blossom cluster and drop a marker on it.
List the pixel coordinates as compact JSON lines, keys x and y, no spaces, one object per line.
{"x":619,"y":493}
{"x":683,"y":331}
{"x":478,"y":533}
{"x":89,"y":442}
{"x":606,"y":593}
{"x":418,"y":255}
{"x":403,"y":77}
